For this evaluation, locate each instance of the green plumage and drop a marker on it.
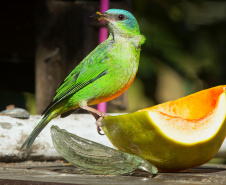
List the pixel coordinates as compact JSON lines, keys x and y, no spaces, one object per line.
{"x":103,"y":75}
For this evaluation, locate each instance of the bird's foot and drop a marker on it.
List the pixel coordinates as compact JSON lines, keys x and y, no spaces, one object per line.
{"x":99,"y":125}
{"x":98,"y":115}
{"x":98,"y":121}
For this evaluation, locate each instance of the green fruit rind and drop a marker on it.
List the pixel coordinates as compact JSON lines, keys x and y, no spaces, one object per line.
{"x":137,"y":133}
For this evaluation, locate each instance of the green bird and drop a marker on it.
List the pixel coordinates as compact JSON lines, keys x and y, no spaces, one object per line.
{"x":103,"y":75}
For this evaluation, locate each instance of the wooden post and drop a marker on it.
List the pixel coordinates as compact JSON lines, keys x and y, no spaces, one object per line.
{"x":64,"y":37}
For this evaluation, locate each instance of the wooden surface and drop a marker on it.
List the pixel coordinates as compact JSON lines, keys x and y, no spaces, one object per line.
{"x":59,"y":173}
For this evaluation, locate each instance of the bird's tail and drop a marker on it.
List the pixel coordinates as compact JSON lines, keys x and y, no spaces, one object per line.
{"x":41,"y":125}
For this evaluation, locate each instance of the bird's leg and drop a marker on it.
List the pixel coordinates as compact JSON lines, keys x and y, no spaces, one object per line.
{"x":98,"y":115}
{"x":91,"y":109}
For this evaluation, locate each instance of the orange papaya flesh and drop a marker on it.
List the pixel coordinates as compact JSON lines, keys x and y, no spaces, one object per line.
{"x":175,"y":135}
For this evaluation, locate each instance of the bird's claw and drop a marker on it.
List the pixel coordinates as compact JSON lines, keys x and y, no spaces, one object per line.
{"x":99,"y":125}
{"x":98,"y":121}
{"x":99,"y":131}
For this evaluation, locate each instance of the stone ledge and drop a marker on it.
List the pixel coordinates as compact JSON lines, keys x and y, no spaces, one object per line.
{"x":14,"y":131}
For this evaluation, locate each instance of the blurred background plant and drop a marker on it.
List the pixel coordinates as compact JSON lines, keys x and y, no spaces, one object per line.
{"x":185,"y":51}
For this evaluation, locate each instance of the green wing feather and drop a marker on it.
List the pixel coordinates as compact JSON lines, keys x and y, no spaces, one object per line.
{"x":85,"y":73}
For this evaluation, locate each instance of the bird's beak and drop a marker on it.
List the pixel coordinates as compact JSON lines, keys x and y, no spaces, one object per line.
{"x":100,"y":16}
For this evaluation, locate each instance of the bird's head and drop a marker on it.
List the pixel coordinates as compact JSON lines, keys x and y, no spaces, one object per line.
{"x":119,"y":22}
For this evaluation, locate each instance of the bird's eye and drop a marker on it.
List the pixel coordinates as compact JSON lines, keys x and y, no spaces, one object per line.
{"x":121,"y":17}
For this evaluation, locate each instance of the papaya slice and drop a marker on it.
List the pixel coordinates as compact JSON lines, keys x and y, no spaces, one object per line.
{"x":175,"y":135}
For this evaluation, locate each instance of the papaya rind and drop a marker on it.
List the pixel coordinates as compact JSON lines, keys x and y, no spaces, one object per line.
{"x":137,"y":134}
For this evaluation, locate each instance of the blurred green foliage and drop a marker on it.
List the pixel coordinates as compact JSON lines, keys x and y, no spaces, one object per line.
{"x":185,"y":48}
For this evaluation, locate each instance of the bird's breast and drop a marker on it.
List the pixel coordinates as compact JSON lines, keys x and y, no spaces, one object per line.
{"x":123,"y":61}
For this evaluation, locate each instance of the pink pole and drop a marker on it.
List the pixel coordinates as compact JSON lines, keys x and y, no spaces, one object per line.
{"x":103,"y":35}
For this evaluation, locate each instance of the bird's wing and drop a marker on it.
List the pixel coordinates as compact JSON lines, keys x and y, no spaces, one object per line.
{"x":88,"y":71}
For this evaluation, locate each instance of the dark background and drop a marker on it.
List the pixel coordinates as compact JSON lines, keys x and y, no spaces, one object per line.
{"x":42,"y":41}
